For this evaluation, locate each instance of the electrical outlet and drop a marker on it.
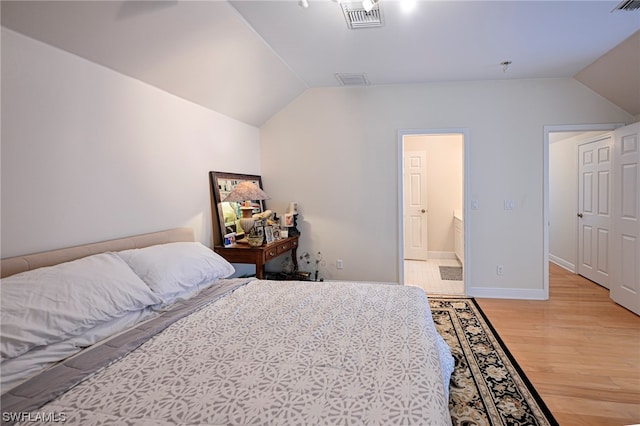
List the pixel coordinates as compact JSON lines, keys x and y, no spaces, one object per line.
{"x":509,"y":204}
{"x":339,"y":264}
{"x":499,"y":269}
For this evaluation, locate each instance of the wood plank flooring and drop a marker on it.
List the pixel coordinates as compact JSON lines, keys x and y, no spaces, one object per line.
{"x":580,"y":350}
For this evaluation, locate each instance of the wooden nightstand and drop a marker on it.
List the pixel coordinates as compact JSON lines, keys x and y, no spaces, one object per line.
{"x":259,"y":256}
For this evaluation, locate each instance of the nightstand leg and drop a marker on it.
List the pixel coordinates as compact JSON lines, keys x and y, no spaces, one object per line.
{"x":294,"y":257}
{"x":259,"y":270}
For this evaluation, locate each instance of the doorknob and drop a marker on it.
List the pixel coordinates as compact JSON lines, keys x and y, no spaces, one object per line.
{"x":579,"y":214}
{"x":423,"y":211}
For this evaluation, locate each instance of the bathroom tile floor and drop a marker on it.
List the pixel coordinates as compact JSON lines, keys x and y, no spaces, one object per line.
{"x":426,"y":275}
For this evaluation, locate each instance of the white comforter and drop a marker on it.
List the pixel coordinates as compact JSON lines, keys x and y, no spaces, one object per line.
{"x":280,"y":353}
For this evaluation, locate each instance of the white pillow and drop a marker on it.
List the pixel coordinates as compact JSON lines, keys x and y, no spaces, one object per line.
{"x":54,"y":303}
{"x":19,"y":369}
{"x":173,"y":268}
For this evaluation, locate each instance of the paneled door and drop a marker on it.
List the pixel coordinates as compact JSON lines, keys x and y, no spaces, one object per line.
{"x":625,"y":270}
{"x":415,"y":205}
{"x":594,"y":208}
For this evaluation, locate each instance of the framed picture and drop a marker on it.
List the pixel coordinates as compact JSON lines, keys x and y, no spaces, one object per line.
{"x":288,"y":220}
{"x":230,"y":239}
{"x":258,"y":228}
{"x":268,"y":234}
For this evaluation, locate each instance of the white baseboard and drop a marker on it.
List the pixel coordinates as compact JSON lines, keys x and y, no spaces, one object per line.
{"x":441,"y":255}
{"x":507,"y":293}
{"x":562,"y":263}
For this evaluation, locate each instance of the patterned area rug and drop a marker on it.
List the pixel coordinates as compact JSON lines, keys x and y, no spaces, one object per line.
{"x":487,"y":387}
{"x":451,"y":273}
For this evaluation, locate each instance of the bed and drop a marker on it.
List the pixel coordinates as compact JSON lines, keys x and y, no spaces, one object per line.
{"x":150,"y":330}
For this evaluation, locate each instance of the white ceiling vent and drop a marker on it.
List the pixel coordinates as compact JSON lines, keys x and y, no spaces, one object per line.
{"x":357,"y":17}
{"x":628,"y":5}
{"x":347,"y":79}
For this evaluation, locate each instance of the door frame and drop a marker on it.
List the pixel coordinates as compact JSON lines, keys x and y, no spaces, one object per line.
{"x":545,"y":173}
{"x":465,"y":194}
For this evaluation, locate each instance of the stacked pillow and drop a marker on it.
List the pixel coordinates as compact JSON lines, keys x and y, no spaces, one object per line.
{"x":74,"y":299}
{"x":176,"y":270}
{"x":54,"y":303}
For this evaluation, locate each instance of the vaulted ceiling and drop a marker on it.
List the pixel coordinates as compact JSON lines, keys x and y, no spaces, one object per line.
{"x":248,"y":59}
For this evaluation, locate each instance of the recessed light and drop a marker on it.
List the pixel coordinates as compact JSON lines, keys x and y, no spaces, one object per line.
{"x":407,"y":5}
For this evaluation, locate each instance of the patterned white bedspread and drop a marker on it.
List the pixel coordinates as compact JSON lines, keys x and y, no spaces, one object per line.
{"x":271,"y":352}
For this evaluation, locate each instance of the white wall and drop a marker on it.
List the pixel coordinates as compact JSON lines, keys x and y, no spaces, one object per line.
{"x":444,"y":186}
{"x":334,"y":150}
{"x":563,"y":202}
{"x":90,"y":154}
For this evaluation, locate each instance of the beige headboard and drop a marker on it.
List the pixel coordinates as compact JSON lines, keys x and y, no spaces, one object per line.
{"x":14,"y":265}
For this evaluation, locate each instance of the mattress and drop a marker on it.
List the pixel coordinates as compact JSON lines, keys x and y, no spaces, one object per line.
{"x":257,"y":352}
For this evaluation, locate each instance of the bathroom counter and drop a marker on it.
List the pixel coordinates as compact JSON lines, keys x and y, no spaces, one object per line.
{"x":459,"y":235}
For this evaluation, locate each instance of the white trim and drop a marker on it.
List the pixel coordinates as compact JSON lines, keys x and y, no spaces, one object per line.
{"x":562,"y":263}
{"x":545,"y":198}
{"x":442,"y":255}
{"x":466,"y":150}
{"x":507,"y":293}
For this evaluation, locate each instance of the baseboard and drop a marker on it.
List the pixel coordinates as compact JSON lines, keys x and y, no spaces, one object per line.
{"x":442,"y":255}
{"x":507,"y":293}
{"x":562,"y":263}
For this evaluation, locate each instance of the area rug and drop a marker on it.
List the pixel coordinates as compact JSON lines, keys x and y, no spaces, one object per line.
{"x":487,"y":386}
{"x":451,"y":273}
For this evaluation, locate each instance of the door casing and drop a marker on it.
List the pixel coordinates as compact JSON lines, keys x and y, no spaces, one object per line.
{"x":465,"y":207}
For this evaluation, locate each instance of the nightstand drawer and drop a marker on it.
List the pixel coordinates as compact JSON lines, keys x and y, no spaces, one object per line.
{"x":259,"y":256}
{"x":284,"y":247}
{"x":270,"y":253}
{"x":278,"y":248}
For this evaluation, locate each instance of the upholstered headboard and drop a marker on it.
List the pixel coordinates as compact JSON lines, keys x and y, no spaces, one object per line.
{"x":14,"y":265}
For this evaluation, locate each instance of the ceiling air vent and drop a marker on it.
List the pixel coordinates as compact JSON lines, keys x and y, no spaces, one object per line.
{"x":347,"y":79}
{"x":357,"y":17}
{"x":628,"y":5}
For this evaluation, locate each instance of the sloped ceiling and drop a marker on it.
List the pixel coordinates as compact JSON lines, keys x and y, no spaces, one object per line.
{"x":202,"y":51}
{"x":616,"y":75}
{"x":248,"y":59}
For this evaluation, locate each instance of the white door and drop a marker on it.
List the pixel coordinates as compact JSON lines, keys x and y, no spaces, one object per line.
{"x":625,"y":268}
{"x":415,"y":205}
{"x":594,"y":208}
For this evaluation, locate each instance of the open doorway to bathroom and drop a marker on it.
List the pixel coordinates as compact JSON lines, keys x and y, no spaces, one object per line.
{"x":432,"y":210}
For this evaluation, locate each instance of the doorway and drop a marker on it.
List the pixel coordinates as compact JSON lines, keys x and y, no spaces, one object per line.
{"x":561,"y":193}
{"x":431,"y":210}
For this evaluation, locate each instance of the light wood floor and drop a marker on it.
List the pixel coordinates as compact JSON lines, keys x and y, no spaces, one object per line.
{"x":580,"y":350}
